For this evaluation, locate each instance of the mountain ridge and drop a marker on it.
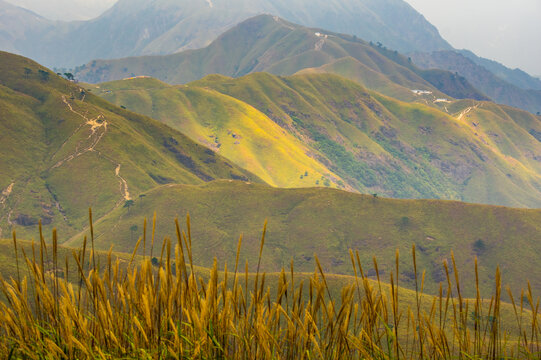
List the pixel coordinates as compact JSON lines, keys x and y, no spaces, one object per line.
{"x":164,"y":26}
{"x":464,"y":150}
{"x":270,"y":44}
{"x":495,"y":87}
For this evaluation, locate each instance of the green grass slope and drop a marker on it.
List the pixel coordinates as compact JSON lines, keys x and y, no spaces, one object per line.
{"x":63,"y":150}
{"x":381,"y":145}
{"x":229,"y":126}
{"x":514,"y":133}
{"x":329,"y":222}
{"x":267,"y":43}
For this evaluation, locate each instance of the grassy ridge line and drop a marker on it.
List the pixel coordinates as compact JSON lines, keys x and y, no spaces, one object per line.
{"x":269,"y":44}
{"x":500,"y":126}
{"x":230,"y":127}
{"x":381,"y":145}
{"x":172,"y":293}
{"x":326,"y":222}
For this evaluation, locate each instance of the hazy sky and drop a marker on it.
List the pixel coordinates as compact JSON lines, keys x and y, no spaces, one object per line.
{"x":66,"y":9}
{"x":503,"y":30}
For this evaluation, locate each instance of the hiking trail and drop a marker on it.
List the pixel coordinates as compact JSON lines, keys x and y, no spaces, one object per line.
{"x":123,"y":184}
{"x":96,"y":124}
{"x":466,"y":111}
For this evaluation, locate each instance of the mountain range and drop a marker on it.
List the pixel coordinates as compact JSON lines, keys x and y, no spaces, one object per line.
{"x":270,"y":44}
{"x":139,"y":27}
{"x":135,"y":28}
{"x":467,"y":150}
{"x":64,"y":148}
{"x":514,"y":88}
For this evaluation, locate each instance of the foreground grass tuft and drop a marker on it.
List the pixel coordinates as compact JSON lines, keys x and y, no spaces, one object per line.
{"x":161,"y":306}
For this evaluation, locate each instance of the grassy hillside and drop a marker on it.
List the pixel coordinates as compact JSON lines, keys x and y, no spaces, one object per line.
{"x":63,"y":150}
{"x":230,"y":127}
{"x":381,"y":145}
{"x":510,"y":131}
{"x":270,"y":44}
{"x":326,"y":222}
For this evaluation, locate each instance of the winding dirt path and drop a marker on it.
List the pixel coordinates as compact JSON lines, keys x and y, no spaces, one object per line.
{"x":96,"y":124}
{"x":466,"y":111}
{"x":98,"y":129}
{"x":319,"y":44}
{"x":123,"y":184}
{"x":3,"y":198}
{"x":5,"y":193}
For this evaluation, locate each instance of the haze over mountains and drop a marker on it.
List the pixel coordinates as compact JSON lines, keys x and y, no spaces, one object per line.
{"x":132,"y":28}
{"x":66,"y":10}
{"x":137,"y":27}
{"x":270,"y":44}
{"x":514,"y":88}
{"x":266,"y":43}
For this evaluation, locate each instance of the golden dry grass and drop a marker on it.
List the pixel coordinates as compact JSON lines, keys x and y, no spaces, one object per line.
{"x":162,"y":307}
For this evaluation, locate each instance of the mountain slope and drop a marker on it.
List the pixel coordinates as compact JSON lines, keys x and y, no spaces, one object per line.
{"x":63,"y":150}
{"x":374,"y":144}
{"x":17,"y":24}
{"x":230,"y":127}
{"x":516,"y":77}
{"x":327,"y":222}
{"x":266,"y":43}
{"x":137,"y":27}
{"x":495,"y":87}
{"x":381,"y":145}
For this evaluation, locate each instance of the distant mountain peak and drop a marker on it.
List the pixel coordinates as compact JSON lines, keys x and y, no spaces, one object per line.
{"x":170,"y":25}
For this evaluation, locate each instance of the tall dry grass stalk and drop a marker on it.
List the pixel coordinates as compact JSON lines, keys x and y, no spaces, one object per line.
{"x":109,"y":308}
